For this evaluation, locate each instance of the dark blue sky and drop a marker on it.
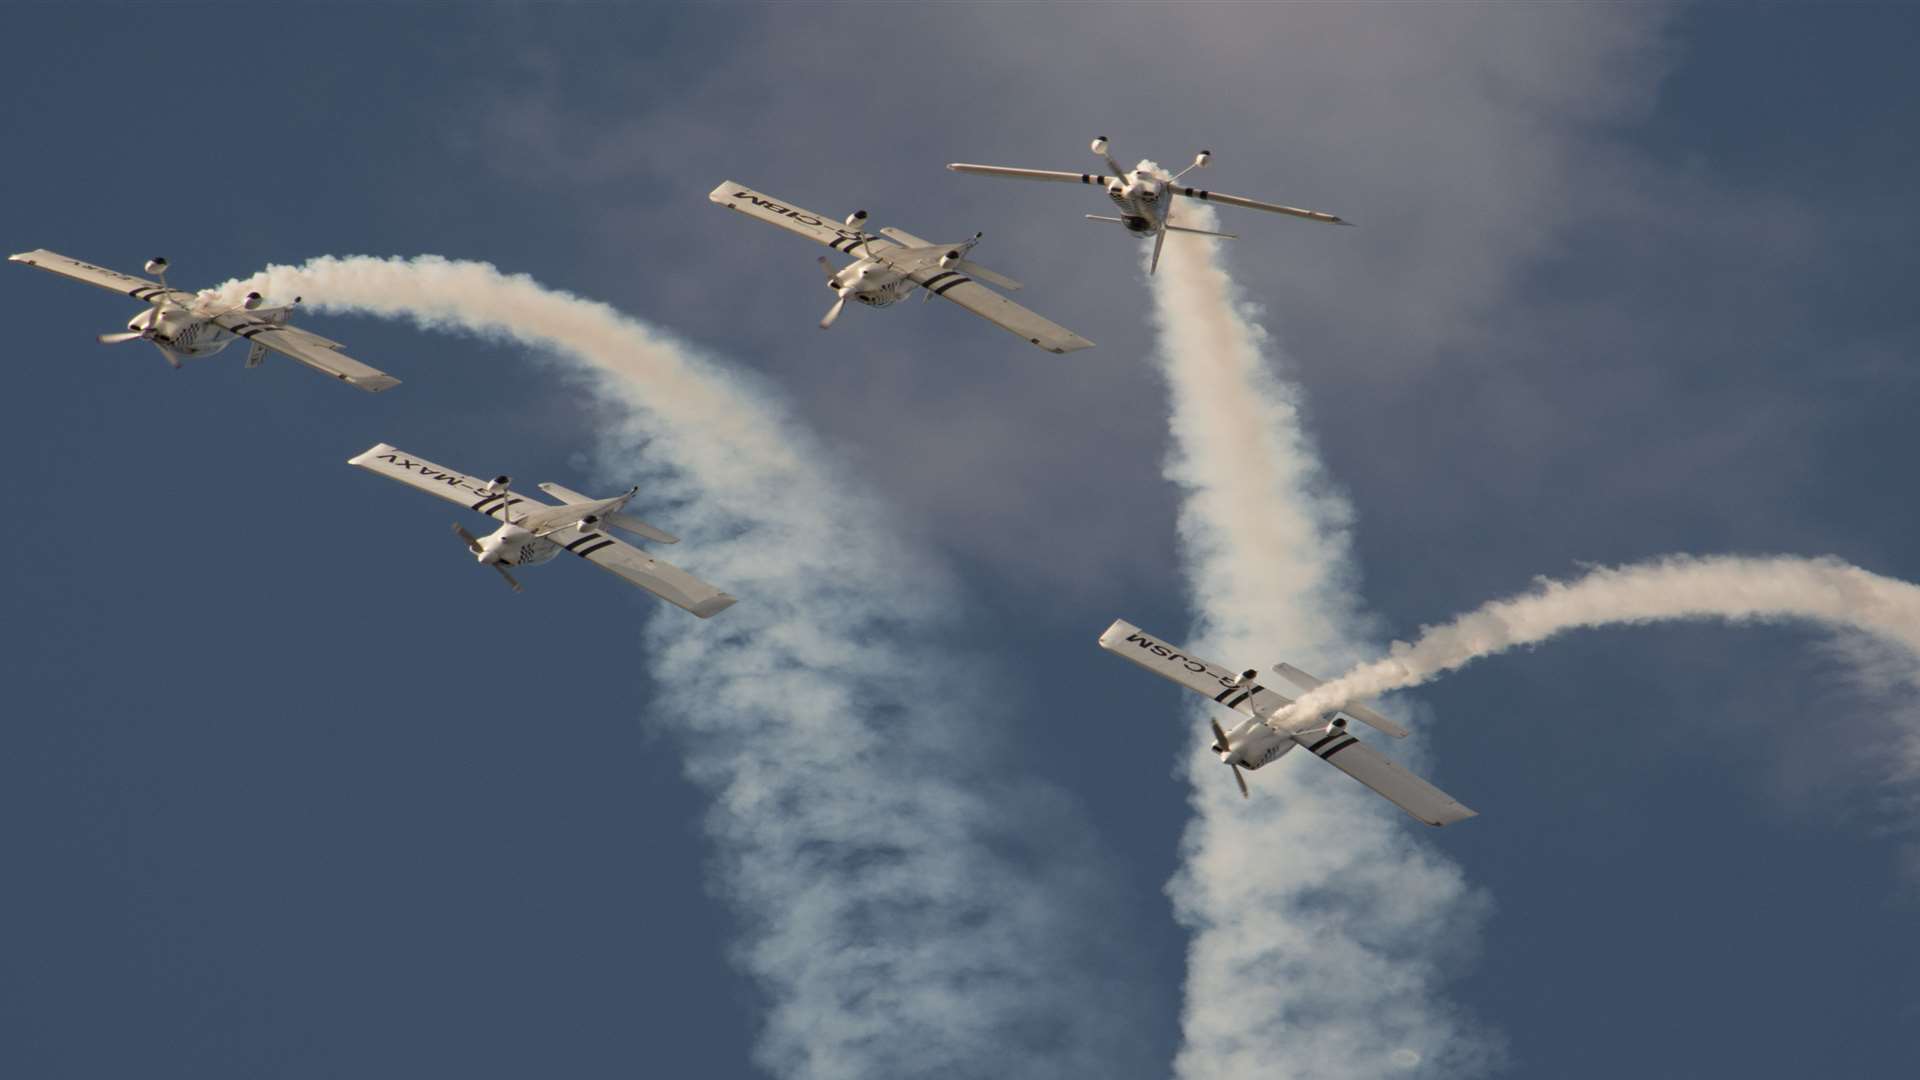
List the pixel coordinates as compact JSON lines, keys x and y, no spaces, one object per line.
{"x":290,"y":787}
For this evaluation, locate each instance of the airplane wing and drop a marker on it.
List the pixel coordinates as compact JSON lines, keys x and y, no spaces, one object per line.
{"x":663,"y":579}
{"x":1372,"y":768}
{"x":310,"y":349}
{"x":1097,"y":179}
{"x":113,"y":280}
{"x":1200,"y":676}
{"x":821,"y":230}
{"x":1255,"y":204}
{"x":456,"y":487}
{"x":998,"y":310}
{"x":657,"y":576}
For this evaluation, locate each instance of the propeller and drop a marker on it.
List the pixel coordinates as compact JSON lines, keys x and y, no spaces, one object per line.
{"x":1220,"y":747}
{"x":833,"y":312}
{"x":474,"y":544}
{"x":125,"y":335}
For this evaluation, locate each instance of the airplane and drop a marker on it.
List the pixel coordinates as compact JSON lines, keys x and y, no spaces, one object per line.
{"x":533,"y":532}
{"x":183,"y":325}
{"x":1145,"y":196}
{"x":1258,"y":740}
{"x":893,"y":263}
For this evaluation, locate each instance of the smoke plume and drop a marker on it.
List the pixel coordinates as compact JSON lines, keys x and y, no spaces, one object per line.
{"x":899,"y":909}
{"x":1769,"y":589}
{"x":1321,"y":930}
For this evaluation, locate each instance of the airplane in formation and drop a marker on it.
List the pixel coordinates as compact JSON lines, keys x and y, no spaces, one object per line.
{"x":186,"y":326}
{"x":1145,"y":196}
{"x":532,"y":532}
{"x":1258,"y":739}
{"x":890,"y":265}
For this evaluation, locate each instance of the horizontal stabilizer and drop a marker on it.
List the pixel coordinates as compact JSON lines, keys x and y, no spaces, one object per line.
{"x":566,"y":494}
{"x":904,"y":238}
{"x":640,"y":528}
{"x":1002,"y":281}
{"x":1203,"y":232}
{"x":625,"y":522}
{"x":1359,"y":712}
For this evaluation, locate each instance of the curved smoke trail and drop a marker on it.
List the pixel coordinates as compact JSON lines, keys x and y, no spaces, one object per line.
{"x":900,"y":911}
{"x":1321,"y":931}
{"x":1678,"y":587}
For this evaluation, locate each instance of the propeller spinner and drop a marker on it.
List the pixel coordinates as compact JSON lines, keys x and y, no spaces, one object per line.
{"x":474,"y":545}
{"x":1221,"y":746}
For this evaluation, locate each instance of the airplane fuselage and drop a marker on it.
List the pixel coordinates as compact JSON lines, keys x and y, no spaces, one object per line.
{"x":512,"y":545}
{"x":1141,"y":200}
{"x":871,"y":282}
{"x":1253,"y":744}
{"x":180,"y":333}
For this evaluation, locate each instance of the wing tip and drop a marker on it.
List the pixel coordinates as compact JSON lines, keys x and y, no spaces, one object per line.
{"x":707,"y":609}
{"x":372,"y":452}
{"x":375,"y":384}
{"x":1459,"y":814}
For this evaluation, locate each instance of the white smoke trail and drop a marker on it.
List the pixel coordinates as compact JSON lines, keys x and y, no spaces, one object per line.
{"x":1734,"y":589}
{"x":1321,"y":930}
{"x":903,"y":910}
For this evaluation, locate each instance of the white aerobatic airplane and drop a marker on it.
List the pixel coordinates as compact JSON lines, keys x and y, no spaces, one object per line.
{"x":891,"y":264}
{"x":184,"y":325}
{"x":1144,"y":197}
{"x":1258,"y":739}
{"x":533,"y":532}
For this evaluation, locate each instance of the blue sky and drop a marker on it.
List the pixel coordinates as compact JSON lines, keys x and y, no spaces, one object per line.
{"x":290,"y":786}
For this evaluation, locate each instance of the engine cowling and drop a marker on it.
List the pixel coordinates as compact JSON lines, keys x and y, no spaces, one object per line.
{"x":588,"y":524}
{"x":156,"y":265}
{"x":947,"y":260}
{"x":1200,"y":160}
{"x":1100,"y":145}
{"x":856,"y":217}
{"x":252,"y":301}
{"x":498,"y":485}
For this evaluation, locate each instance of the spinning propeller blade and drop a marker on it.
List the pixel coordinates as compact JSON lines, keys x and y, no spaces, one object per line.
{"x":1241,"y":780}
{"x":115,"y":339}
{"x":833,"y":312}
{"x":516,"y":585}
{"x":474,"y":545}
